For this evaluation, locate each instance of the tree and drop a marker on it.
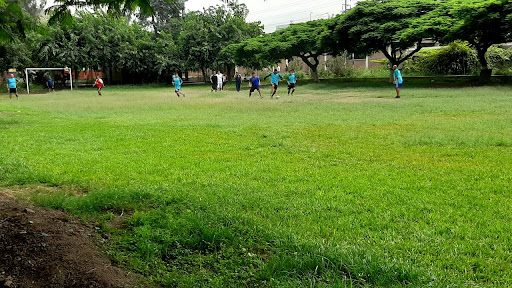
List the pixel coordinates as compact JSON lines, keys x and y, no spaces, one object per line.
{"x":298,"y":40}
{"x":206,"y":33}
{"x":14,"y":21}
{"x":481,"y":23}
{"x":376,"y":25}
{"x":162,"y":18}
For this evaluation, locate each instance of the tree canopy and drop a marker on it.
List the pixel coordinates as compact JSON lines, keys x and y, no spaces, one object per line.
{"x":480,"y":23}
{"x":374,"y":26}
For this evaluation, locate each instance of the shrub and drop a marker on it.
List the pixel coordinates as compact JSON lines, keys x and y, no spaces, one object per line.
{"x":457,"y":58}
{"x":500,"y":60}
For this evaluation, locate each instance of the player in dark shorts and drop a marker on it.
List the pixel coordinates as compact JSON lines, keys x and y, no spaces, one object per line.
{"x":292,"y":80}
{"x":50,"y":84}
{"x":254,"y":83}
{"x":213,"y":80}
{"x":11,"y":85}
{"x":274,"y":79}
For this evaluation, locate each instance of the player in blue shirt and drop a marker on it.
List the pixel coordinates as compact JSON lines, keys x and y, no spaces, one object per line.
{"x":254,"y":83}
{"x":50,"y":84}
{"x":274,"y":79}
{"x":292,"y":80}
{"x":11,"y":85}
{"x":397,"y":80}
{"x":177,"y":81}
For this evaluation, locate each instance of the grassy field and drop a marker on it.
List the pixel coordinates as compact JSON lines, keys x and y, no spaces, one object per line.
{"x":339,"y":185}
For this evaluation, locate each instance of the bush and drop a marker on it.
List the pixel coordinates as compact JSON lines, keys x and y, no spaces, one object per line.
{"x":457,"y":58}
{"x":500,"y":60}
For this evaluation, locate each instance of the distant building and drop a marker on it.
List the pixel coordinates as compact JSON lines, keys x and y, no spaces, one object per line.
{"x":281,"y":27}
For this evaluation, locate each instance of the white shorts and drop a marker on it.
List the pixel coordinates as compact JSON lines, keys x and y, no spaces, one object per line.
{"x":219,"y":84}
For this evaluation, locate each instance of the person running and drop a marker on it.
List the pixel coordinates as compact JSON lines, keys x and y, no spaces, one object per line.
{"x":177,"y":81}
{"x":274,"y":79}
{"x":99,"y":84}
{"x":11,"y":85}
{"x":219,"y":80}
{"x":292,"y":80}
{"x":397,"y":80}
{"x":254,"y":83}
{"x":50,"y":84}
{"x":238,"y":80}
{"x":213,"y":80}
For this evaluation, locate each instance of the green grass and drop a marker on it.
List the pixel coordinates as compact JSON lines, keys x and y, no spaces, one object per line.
{"x":339,"y":185}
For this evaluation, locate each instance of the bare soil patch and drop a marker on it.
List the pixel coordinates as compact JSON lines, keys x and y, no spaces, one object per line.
{"x":47,"y":248}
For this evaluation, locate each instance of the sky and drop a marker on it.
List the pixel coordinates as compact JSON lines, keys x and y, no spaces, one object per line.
{"x":273,"y":13}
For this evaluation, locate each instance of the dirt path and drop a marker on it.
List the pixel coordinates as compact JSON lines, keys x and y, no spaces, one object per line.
{"x":48,"y":248}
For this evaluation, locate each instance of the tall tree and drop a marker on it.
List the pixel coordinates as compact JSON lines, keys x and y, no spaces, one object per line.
{"x":299,"y":40}
{"x":375,"y":25}
{"x":481,"y":23}
{"x":206,"y":33}
{"x":164,"y":13}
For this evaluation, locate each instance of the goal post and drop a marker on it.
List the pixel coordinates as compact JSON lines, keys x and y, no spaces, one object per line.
{"x":50,"y":69}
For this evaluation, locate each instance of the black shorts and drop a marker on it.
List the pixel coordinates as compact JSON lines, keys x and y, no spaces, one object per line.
{"x":274,"y":85}
{"x":255,"y":88}
{"x":13,"y":90}
{"x":177,"y":90}
{"x":291,"y":85}
{"x":214,"y":86}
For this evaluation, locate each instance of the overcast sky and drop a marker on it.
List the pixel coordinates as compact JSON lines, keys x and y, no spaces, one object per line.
{"x":273,"y":13}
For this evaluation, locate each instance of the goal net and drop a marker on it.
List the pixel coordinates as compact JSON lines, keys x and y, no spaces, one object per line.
{"x":65,"y":70}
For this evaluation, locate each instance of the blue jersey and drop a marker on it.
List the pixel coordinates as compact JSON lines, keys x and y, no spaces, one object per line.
{"x":177,"y":83}
{"x":292,"y":78}
{"x":12,"y":82}
{"x":398,"y":76}
{"x":255,"y":82}
{"x":50,"y":82}
{"x":274,"y":78}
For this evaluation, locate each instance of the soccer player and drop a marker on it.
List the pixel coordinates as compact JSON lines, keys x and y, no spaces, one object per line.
{"x":254,"y":83}
{"x":219,"y":80}
{"x":99,"y":84}
{"x":274,"y":79}
{"x":177,"y":81}
{"x":397,"y":80}
{"x":213,"y":80}
{"x":292,"y":79}
{"x":50,"y":84}
{"x":11,"y":85}
{"x":238,"y":80}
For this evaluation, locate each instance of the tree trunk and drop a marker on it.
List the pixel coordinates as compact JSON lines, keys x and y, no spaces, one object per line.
{"x":485,"y":73}
{"x":314,"y":73}
{"x":313,"y":66}
{"x":204,"y":74}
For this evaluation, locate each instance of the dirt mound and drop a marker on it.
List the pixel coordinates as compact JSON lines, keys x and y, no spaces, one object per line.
{"x":47,"y":248}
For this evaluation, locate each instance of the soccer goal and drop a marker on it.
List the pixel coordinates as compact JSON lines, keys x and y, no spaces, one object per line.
{"x":65,"y":69}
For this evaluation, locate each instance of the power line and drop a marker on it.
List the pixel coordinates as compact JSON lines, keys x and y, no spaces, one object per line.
{"x":299,"y":11}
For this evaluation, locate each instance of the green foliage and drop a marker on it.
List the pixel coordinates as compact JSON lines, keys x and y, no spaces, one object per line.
{"x":500,"y":60}
{"x":377,"y":25}
{"x":457,"y":58}
{"x":481,"y":23}
{"x":206,"y":33}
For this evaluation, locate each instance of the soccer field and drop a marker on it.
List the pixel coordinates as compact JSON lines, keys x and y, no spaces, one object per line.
{"x":338,"y":185}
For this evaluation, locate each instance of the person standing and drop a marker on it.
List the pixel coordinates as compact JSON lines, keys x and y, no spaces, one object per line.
{"x":11,"y":85}
{"x":213,"y":80}
{"x":292,"y":80}
{"x":254,"y":83}
{"x":397,"y":80}
{"x":177,"y":81}
{"x":50,"y":84}
{"x":219,"y":80}
{"x":99,"y":84}
{"x":274,"y":79}
{"x":224,"y":82}
{"x":238,"y":80}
